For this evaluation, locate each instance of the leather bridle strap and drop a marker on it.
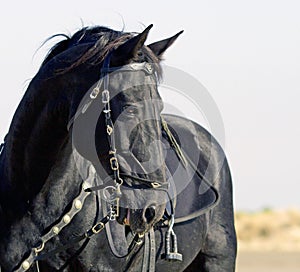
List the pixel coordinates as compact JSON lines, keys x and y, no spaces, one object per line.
{"x":144,"y":66}
{"x":114,"y":165}
{"x":77,"y":205}
{"x":97,"y":228}
{"x":149,"y":257}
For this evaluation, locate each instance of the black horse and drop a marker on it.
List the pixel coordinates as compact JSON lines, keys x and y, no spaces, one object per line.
{"x":88,"y":149}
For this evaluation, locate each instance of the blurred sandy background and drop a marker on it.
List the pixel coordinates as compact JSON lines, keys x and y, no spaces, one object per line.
{"x":268,"y":240}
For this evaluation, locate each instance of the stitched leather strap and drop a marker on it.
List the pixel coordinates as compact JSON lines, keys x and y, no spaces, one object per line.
{"x":149,"y":257}
{"x":65,"y":220}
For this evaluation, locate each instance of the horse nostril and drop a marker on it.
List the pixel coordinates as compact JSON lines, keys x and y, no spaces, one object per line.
{"x":149,"y":214}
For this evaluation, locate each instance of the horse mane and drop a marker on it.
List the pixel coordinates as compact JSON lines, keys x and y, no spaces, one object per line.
{"x":100,"y":36}
{"x":41,"y":119}
{"x":102,"y":39}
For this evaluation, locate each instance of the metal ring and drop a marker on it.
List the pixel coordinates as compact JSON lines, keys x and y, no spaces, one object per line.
{"x":109,"y":198}
{"x":39,"y":249}
{"x":109,"y":130}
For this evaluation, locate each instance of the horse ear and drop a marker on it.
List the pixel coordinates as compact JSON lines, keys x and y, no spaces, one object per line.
{"x":160,"y":47}
{"x":129,"y":49}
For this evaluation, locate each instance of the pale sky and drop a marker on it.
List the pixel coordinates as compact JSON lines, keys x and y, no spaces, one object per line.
{"x":245,"y":53}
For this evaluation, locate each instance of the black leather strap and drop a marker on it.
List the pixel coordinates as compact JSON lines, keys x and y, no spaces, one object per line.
{"x":149,"y":257}
{"x":97,"y":228}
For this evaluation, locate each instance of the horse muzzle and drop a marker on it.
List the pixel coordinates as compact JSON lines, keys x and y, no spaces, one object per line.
{"x":140,"y":220}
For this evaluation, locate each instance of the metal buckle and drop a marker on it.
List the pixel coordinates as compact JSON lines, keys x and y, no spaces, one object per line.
{"x":155,"y":185}
{"x":94,"y":228}
{"x":105,"y":96}
{"x":94,"y":93}
{"x":114,"y":163}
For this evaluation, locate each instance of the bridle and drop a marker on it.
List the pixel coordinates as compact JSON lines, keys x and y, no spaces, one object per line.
{"x":112,"y":190}
{"x":105,"y":98}
{"x":117,"y":177}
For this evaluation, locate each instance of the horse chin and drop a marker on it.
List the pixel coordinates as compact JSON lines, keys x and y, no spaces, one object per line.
{"x":130,"y":224}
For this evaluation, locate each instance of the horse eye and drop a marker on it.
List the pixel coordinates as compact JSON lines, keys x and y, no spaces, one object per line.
{"x":130,"y":110}
{"x":140,"y":54}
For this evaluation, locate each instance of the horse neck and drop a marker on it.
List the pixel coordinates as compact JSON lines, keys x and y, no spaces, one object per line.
{"x":28,"y":160}
{"x":38,"y":133}
{"x":37,"y":136}
{"x":60,"y":188}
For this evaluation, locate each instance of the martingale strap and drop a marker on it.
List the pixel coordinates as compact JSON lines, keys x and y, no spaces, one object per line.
{"x":65,"y":220}
{"x":97,"y":228}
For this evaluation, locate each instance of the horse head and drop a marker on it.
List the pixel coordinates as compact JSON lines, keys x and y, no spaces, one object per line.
{"x":126,"y":126}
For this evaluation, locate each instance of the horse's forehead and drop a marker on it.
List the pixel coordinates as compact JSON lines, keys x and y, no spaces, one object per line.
{"x":143,"y":94}
{"x":135,"y":85}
